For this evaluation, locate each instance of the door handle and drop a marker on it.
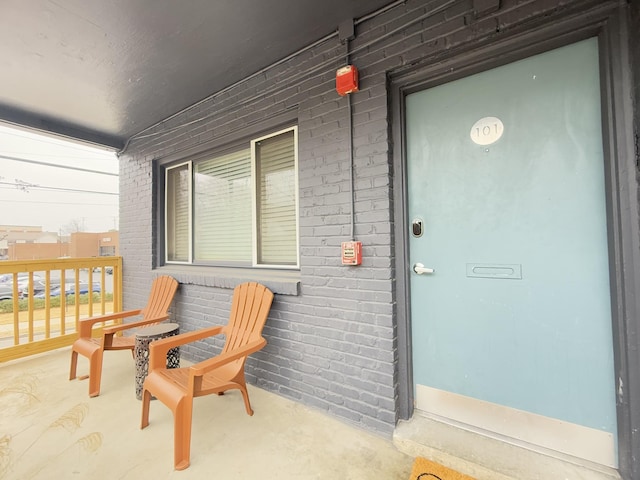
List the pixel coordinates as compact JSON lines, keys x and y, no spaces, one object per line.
{"x":420,"y":269}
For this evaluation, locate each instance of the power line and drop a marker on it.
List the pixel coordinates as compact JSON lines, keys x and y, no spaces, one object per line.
{"x":59,"y":203}
{"x":36,"y":162}
{"x":58,"y":189}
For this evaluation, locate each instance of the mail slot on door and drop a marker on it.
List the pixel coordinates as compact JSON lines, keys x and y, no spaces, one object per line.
{"x":493,"y":270}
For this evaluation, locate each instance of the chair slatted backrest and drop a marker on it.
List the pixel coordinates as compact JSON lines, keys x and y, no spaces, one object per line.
{"x":249,"y":310}
{"x":162,"y":292}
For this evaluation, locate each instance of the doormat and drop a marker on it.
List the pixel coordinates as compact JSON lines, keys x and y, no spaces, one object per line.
{"x":424,"y":469}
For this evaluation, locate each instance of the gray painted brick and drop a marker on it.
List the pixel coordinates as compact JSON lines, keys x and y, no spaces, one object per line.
{"x":346,"y":413}
{"x":331,"y":337}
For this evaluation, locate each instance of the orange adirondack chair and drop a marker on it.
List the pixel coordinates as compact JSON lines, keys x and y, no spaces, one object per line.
{"x":177,"y":387}
{"x":163,"y":290}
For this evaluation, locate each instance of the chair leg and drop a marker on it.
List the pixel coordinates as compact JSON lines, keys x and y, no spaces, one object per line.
{"x":74,"y":364}
{"x":95,"y":373}
{"x":245,"y":396}
{"x":146,"y":401}
{"x":182,"y":432}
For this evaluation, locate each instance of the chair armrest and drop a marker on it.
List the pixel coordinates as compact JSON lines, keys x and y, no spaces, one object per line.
{"x":197,"y":371}
{"x":126,"y":326}
{"x":158,"y":348}
{"x":210,"y":364}
{"x":87,"y":324}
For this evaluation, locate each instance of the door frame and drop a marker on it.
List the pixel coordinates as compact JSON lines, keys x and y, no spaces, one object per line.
{"x":608,"y":22}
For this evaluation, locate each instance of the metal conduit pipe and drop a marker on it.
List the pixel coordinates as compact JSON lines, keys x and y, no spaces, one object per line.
{"x":351,"y":163}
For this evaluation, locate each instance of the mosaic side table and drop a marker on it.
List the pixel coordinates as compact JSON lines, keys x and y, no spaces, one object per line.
{"x":141,"y":350}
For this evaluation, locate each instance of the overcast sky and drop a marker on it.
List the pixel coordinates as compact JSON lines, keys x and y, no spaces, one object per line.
{"x":54,"y":196}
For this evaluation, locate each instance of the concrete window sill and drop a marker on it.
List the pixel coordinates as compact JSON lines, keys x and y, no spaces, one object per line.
{"x":283,"y":282}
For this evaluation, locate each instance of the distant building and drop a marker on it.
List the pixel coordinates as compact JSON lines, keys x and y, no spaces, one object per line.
{"x":84,"y":244}
{"x":19,"y":242}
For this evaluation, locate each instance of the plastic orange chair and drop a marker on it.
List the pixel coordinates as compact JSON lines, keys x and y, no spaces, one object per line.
{"x":161,"y":296}
{"x":177,"y":387}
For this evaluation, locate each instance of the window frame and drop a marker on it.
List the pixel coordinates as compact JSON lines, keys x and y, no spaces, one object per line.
{"x":251,"y":140}
{"x":166,"y":169}
{"x":254,"y":199}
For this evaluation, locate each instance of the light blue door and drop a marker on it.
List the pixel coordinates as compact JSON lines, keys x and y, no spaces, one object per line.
{"x":506,"y":188}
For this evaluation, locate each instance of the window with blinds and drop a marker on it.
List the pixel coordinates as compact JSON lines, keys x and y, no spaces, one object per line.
{"x":222,"y":209}
{"x":276,"y":214}
{"x":178,"y":201}
{"x":238,"y":208}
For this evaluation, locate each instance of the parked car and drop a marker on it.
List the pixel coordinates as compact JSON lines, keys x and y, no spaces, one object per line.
{"x":6,"y":284}
{"x":38,"y":287}
{"x":108,"y":270}
{"x":6,"y":292}
{"x":70,"y":289}
{"x":84,"y":288}
{"x":7,"y":278}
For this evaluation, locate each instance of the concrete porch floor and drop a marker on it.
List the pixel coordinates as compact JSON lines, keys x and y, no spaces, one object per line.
{"x":50,"y":428}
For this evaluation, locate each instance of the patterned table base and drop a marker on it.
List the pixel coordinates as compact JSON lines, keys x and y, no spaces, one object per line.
{"x":141,"y":353}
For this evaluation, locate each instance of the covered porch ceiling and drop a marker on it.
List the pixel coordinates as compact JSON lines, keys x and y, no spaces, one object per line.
{"x":101,"y":71}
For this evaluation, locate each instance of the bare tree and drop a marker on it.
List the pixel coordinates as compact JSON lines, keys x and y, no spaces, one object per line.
{"x":75,"y":225}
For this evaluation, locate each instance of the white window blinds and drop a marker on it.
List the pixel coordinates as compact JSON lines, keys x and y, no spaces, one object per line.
{"x":276,"y":200}
{"x":238,"y":208}
{"x":222,"y":208}
{"x":178,"y":239}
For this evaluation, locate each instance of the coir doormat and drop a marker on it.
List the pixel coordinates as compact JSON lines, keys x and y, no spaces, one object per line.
{"x":424,"y":469}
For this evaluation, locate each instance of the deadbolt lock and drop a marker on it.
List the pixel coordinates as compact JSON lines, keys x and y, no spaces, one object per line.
{"x":417,"y":227}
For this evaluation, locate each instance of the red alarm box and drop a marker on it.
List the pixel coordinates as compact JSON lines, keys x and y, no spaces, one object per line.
{"x":347,"y":80}
{"x":351,"y":253}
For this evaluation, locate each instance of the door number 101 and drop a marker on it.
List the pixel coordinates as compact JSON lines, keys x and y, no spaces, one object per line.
{"x":486,"y":131}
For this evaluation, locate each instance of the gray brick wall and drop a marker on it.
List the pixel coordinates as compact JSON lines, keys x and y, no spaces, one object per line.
{"x":331,"y":338}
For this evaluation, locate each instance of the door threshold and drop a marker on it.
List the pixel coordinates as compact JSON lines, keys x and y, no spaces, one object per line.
{"x":485,"y":457}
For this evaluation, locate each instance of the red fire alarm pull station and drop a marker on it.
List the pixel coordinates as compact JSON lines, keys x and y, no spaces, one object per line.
{"x":351,"y":253}
{"x":347,"y":80}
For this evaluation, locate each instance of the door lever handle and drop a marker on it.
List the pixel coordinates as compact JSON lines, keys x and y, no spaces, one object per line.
{"x":420,"y":269}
